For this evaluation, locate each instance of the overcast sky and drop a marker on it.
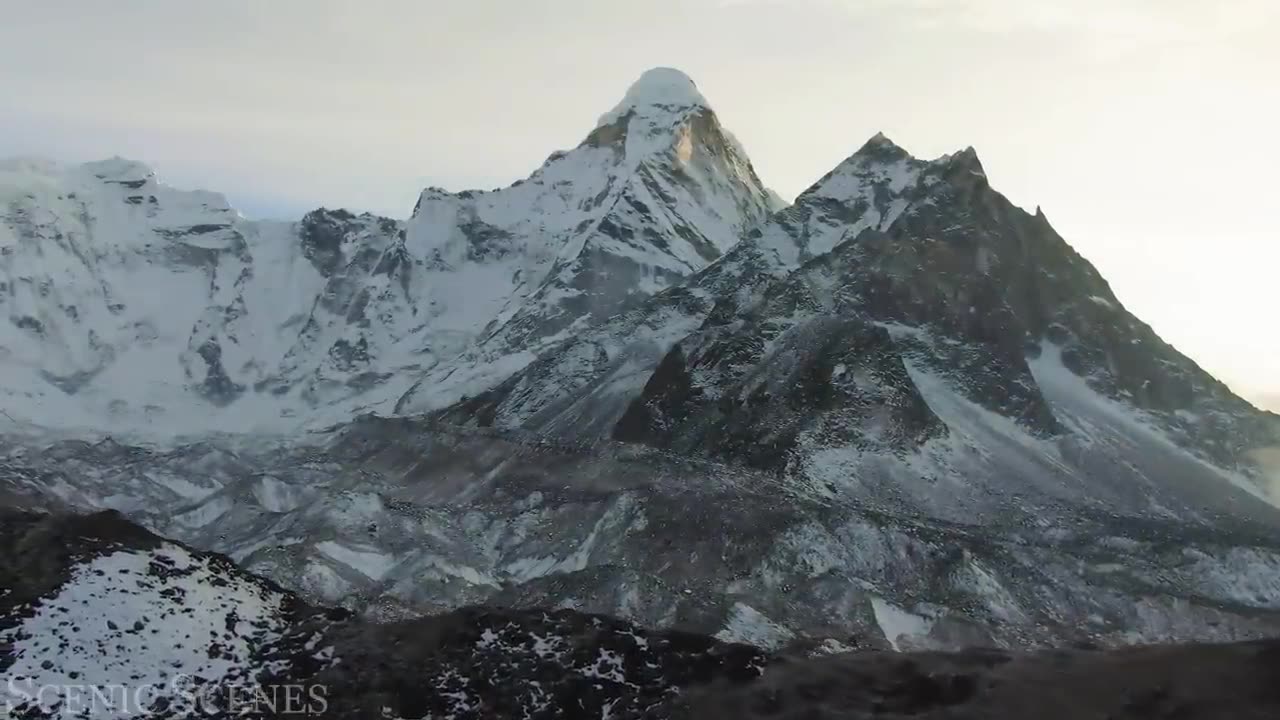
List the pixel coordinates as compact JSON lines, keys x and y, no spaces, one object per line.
{"x":1146,"y":129}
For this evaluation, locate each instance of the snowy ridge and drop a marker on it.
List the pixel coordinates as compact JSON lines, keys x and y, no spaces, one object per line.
{"x":611,"y":361}
{"x":159,"y":631}
{"x":116,"y":623}
{"x":656,"y":192}
{"x":268,"y":327}
{"x":926,"y":248}
{"x":147,"y":627}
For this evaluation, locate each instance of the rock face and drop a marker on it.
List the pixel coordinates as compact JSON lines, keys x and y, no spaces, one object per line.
{"x":97,"y":601}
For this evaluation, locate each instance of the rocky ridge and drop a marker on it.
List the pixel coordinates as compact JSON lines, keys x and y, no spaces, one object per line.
{"x":91,"y":600}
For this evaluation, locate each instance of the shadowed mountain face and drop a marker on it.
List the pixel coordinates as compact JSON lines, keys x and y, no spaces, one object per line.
{"x":899,"y":414}
{"x":893,"y":292}
{"x":95,"y":599}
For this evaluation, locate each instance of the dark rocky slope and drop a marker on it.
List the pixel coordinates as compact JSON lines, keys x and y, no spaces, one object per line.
{"x":493,"y":663}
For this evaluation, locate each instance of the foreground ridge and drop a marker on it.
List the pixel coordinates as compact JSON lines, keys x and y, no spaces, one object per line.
{"x":134,"y":609}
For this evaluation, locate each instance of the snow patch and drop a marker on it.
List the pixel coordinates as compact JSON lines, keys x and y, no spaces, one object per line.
{"x":750,"y":626}
{"x":899,"y":626}
{"x":141,"y":619}
{"x":368,"y":562}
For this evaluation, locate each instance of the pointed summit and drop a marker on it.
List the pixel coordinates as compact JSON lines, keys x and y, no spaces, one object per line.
{"x":966,"y":159}
{"x":879,"y":142}
{"x":660,"y":91}
{"x":879,"y":161}
{"x":120,"y":170}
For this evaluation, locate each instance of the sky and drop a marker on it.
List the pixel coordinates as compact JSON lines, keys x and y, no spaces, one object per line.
{"x":1147,"y":130}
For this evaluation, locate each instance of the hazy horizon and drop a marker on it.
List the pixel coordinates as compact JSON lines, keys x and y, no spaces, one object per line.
{"x":1145,"y":129}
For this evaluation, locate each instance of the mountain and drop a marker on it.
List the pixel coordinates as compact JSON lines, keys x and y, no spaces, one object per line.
{"x":133,"y":306}
{"x":656,"y":192}
{"x":892,"y":292}
{"x":162,"y":630}
{"x":900,"y":412}
{"x":267,"y":325}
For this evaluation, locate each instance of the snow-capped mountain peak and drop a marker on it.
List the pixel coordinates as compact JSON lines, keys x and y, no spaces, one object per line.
{"x":657,"y":191}
{"x":665,"y":119}
{"x":269,"y":324}
{"x":879,"y":162}
{"x":658,"y":93}
{"x":121,"y":170}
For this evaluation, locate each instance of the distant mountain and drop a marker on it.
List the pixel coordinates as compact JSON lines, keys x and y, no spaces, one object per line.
{"x":829,"y":328}
{"x":899,"y":409}
{"x":138,"y":307}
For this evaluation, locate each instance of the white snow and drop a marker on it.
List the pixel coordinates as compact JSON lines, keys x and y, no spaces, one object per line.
{"x":658,"y":90}
{"x":276,"y":496}
{"x":1246,"y":575}
{"x":184,"y":487}
{"x":898,"y":625}
{"x":369,"y":562}
{"x":117,"y":624}
{"x":748,"y":625}
{"x":116,"y":289}
{"x":1109,"y":420}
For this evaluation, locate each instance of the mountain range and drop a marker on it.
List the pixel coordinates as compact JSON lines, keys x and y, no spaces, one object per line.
{"x":272,"y":326}
{"x":899,"y":412}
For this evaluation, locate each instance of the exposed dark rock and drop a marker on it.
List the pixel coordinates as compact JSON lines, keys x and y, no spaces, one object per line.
{"x":833,"y":381}
{"x":217,"y":387}
{"x":347,"y":355}
{"x":322,"y":232}
{"x":26,"y":322}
